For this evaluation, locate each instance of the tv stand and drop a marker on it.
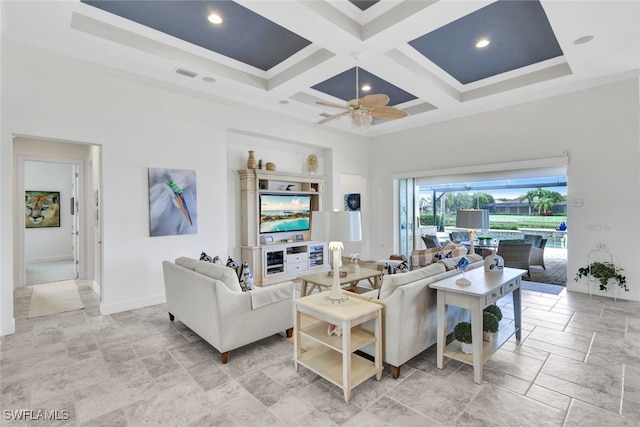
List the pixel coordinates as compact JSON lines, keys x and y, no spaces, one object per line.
{"x":280,"y":256}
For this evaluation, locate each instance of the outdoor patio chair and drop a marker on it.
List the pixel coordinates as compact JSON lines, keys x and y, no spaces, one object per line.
{"x":537,"y":254}
{"x":431,"y":241}
{"x":459,"y":236}
{"x":515,"y":254}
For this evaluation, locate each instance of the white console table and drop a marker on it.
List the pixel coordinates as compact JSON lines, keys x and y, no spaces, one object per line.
{"x":485,"y":289}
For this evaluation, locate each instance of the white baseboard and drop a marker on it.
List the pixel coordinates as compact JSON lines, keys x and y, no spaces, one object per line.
{"x":8,"y":328}
{"x":131,"y":305}
{"x":96,"y":288}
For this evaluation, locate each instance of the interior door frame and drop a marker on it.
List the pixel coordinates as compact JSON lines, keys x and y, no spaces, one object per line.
{"x":85,"y":246}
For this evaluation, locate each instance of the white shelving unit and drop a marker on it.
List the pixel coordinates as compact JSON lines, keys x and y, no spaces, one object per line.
{"x":286,"y":255}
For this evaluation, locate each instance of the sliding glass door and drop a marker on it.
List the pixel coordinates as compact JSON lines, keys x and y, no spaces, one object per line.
{"x":406,"y":215}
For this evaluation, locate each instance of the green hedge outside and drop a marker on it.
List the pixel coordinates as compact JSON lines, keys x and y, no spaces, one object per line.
{"x":501,"y":221}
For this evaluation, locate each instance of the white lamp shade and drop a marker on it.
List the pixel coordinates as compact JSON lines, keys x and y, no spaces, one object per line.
{"x":337,"y":226}
{"x":476,"y":219}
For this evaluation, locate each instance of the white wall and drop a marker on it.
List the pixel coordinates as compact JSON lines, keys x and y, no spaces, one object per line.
{"x":598,"y":128}
{"x":51,"y":243}
{"x":139,"y":124}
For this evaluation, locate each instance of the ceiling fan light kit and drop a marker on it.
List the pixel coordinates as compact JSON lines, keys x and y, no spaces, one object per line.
{"x":363,"y":110}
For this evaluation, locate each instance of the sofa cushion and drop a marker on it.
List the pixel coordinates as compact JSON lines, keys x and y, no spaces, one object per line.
{"x":423,"y":257}
{"x":391,"y":282}
{"x":225,"y":274}
{"x":186,"y":262}
{"x":450,"y":263}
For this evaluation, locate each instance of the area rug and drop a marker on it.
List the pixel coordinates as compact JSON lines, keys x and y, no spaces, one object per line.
{"x":53,"y":298}
{"x":541,"y":287}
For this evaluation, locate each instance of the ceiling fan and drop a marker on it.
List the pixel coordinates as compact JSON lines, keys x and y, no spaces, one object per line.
{"x":363,"y":110}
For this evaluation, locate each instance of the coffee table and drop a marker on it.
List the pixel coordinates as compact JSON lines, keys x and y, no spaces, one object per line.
{"x":485,"y":289}
{"x":322,"y":280}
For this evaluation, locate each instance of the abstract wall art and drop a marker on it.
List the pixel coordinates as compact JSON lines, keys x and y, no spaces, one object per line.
{"x":173,"y":202}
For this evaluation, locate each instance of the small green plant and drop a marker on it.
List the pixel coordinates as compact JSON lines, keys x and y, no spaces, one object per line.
{"x":489,"y":322}
{"x":495,"y":310}
{"x":462,"y":332}
{"x":603,"y":271}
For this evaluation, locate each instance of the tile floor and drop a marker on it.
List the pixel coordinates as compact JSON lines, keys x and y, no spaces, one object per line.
{"x":578,"y":365}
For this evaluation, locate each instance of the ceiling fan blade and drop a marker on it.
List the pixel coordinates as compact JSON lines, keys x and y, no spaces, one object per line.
{"x":388,"y":113}
{"x":374,"y":101}
{"x":330,"y":104}
{"x":335,"y":116}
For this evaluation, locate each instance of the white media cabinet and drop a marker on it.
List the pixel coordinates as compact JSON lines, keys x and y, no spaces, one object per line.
{"x":290,"y":254}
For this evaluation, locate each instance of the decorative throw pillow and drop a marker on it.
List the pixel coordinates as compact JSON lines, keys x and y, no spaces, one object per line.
{"x":390,"y":269}
{"x":246,"y":277}
{"x":231,"y":263}
{"x":403,"y":267}
{"x":205,"y":257}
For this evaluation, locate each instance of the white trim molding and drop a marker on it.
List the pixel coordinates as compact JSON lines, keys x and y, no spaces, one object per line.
{"x":552,"y":163}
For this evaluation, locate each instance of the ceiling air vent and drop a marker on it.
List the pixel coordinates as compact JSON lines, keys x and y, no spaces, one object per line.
{"x":185,"y":72}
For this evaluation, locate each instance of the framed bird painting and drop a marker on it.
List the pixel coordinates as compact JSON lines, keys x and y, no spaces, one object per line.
{"x":173,"y":202}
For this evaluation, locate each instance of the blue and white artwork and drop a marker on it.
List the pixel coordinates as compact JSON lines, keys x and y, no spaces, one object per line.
{"x":462,"y":264}
{"x":173,"y":202}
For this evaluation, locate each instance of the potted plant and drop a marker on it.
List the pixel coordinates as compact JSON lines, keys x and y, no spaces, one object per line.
{"x":603,"y":271}
{"x":462,"y":333}
{"x":489,"y":325}
{"x":495,"y":310}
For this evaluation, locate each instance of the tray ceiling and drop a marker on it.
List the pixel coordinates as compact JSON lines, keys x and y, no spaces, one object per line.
{"x":286,"y":55}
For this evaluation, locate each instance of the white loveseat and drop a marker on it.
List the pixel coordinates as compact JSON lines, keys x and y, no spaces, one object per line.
{"x":409,"y":313}
{"x":208,"y":299}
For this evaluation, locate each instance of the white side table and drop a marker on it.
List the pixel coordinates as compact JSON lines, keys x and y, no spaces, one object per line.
{"x":333,"y":358}
{"x":485,"y":289}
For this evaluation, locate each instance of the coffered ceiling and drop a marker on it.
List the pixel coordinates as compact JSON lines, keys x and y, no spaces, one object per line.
{"x":284,"y":55}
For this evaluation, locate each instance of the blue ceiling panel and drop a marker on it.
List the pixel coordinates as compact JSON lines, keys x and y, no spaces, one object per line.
{"x":519,"y":32}
{"x":363,"y":4}
{"x":244,"y":35}
{"x":343,"y":86}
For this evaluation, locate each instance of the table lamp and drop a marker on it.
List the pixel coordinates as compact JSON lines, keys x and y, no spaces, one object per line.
{"x":472,"y":219}
{"x":336,"y":227}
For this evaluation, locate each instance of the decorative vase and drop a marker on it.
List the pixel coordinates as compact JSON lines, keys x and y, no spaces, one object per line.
{"x":466,"y":348}
{"x":251,"y":162}
{"x":493,"y":263}
{"x":488,"y":336}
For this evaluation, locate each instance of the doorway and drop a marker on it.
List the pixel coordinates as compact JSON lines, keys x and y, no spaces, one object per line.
{"x":71,"y":249}
{"x":51,"y":221}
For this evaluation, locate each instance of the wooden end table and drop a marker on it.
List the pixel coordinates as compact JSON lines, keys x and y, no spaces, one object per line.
{"x":334,"y":358}
{"x":322,"y":279}
{"x":485,"y":289}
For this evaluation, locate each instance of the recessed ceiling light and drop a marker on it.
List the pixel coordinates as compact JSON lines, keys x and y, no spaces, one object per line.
{"x":214,"y":18}
{"x":366,"y":88}
{"x":583,"y":40}
{"x":483,"y":43}
{"x":283,"y":102}
{"x":209,"y":79}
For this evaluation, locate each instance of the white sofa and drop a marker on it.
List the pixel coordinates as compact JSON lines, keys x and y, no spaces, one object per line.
{"x":208,"y":299}
{"x":409,"y":313}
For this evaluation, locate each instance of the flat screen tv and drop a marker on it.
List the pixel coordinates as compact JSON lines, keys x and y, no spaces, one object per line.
{"x":284,"y":212}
